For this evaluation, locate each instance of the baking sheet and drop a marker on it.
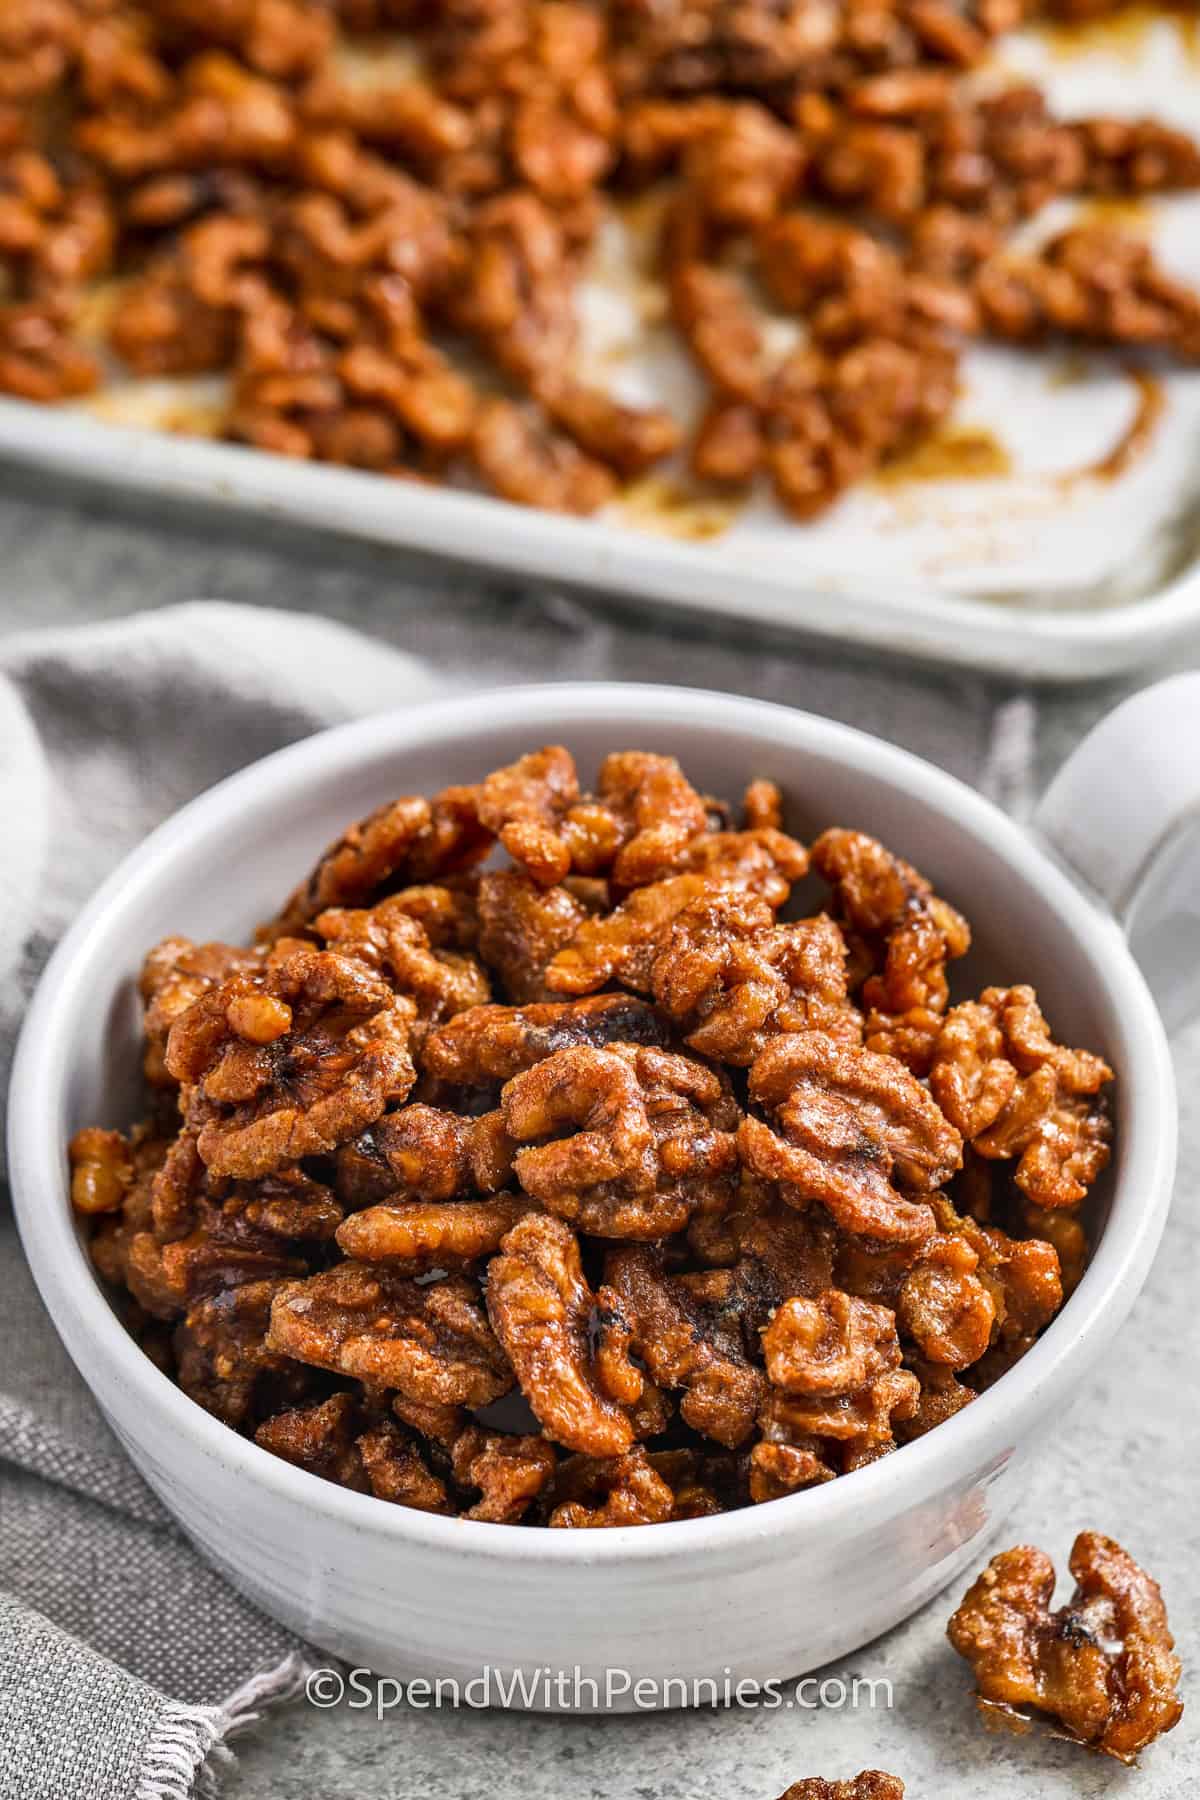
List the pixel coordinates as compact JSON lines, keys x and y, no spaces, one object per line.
{"x":1000,"y":544}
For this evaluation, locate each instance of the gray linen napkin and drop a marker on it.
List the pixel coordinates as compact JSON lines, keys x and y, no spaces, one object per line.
{"x":125,"y":1662}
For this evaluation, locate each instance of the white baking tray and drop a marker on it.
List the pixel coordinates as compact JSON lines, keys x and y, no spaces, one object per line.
{"x":1033,"y":567}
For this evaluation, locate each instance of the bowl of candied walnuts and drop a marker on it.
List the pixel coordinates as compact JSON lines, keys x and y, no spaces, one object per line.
{"x":592,"y":1177}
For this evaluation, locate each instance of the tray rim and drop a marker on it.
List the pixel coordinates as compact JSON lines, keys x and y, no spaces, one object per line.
{"x":1048,"y":645}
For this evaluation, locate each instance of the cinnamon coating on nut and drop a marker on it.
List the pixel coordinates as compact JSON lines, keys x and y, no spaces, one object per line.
{"x":542,"y":1308}
{"x":730,"y":978}
{"x":430,"y":1341}
{"x":291,"y":1063}
{"x":733,"y":1203}
{"x":854,"y":1130}
{"x":871,"y":1784}
{"x":1017,"y":1095}
{"x":640,"y":1139}
{"x":1102,"y":1666}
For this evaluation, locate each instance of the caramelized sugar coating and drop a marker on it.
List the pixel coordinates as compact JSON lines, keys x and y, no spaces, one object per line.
{"x":729,"y":978}
{"x":589,"y":1187}
{"x":834,"y":1368}
{"x":542,"y":1310}
{"x":292,"y":1062}
{"x":853,"y":1129}
{"x":431,"y":1341}
{"x":871,"y":1784}
{"x":687,"y":1344}
{"x":495,"y":1043}
{"x":1103,"y":1666}
{"x":638,"y":1140}
{"x":390,"y":940}
{"x":1016,"y":1094}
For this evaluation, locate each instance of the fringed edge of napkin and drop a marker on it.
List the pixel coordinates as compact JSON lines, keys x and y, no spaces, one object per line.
{"x":188,"y":1753}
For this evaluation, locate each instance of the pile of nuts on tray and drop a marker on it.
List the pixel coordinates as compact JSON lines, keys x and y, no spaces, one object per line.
{"x":387,"y":267}
{"x":718,"y":1201}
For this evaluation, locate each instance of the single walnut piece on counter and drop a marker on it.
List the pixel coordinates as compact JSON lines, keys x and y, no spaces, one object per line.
{"x":1103,"y":1665}
{"x":591,"y":1187}
{"x":871,"y":1784}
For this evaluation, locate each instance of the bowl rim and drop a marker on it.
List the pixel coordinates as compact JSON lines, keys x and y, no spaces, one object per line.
{"x":980,"y":1437}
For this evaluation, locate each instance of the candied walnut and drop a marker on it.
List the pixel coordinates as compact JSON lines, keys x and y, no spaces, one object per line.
{"x":685,"y":1344}
{"x":524,"y":806}
{"x":650,"y":813}
{"x":1066,"y":1236}
{"x":39,"y":360}
{"x":742,"y":168}
{"x":628,"y":439}
{"x":762,"y":806}
{"x":320,"y":1439}
{"x":430,"y":1234}
{"x":522,"y":927}
{"x":448,"y":912}
{"x":730,"y":978}
{"x":652,"y":1140}
{"x":114,"y":1233}
{"x":944,"y":1306}
{"x":1103,"y":1665}
{"x":871,"y":1784}
{"x":778,"y":1469}
{"x":626,"y":943}
{"x":776,"y":1252}
{"x":854,"y":1128}
{"x":542,"y":1308}
{"x":834,"y":1365}
{"x":174,"y":974}
{"x":291,"y":1063}
{"x":407,"y":840}
{"x":905,"y":930}
{"x":524,"y":460}
{"x":366,"y":1321}
{"x":493,"y":1043}
{"x":595,"y":1492}
{"x":102,"y":1171}
{"x":206,"y":1237}
{"x":391,"y":941}
{"x":1016,"y":1094}
{"x":942,"y":1395}
{"x":395,"y":1470}
{"x":425,"y":1154}
{"x":224,"y":1362}
{"x":713,"y":313}
{"x":510,"y":1473}
{"x":911,"y":1037}
{"x":1022,"y":1276}
{"x":1093,"y":283}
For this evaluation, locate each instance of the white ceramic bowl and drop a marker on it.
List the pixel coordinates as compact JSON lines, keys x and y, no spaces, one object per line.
{"x":765,"y":1592}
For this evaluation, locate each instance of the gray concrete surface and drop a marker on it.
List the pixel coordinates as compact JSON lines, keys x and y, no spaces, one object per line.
{"x":1126,"y":1459}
